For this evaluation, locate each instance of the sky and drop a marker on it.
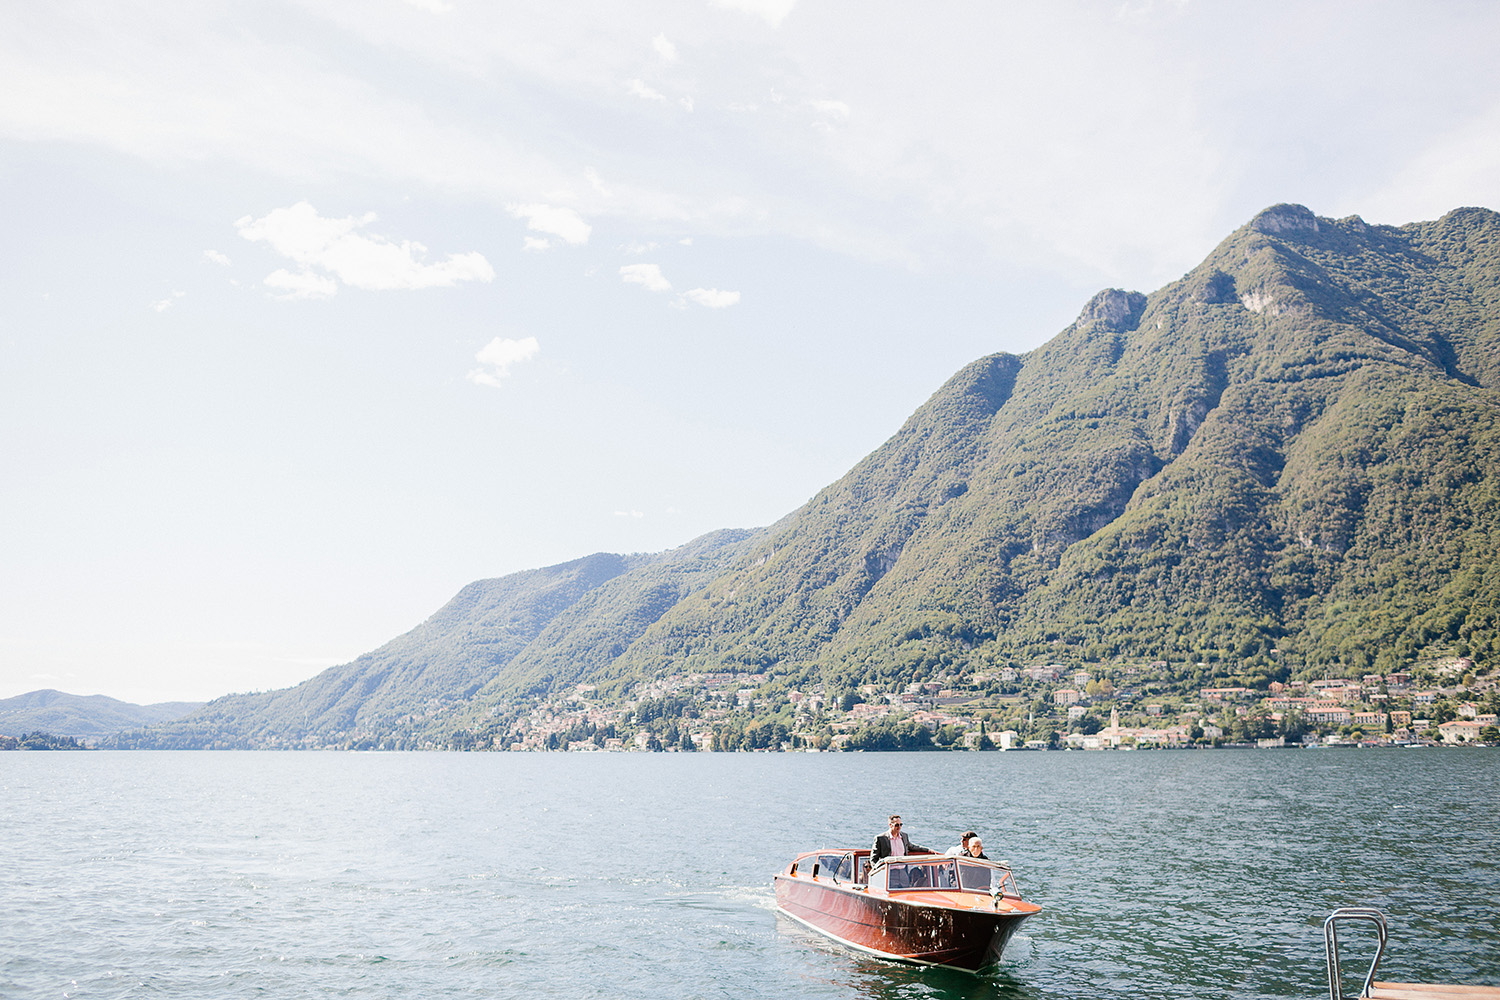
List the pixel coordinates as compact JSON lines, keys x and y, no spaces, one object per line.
{"x":313,"y":311}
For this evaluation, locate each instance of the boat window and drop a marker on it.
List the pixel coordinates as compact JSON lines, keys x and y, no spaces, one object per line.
{"x":940,"y":875}
{"x":976,"y":877}
{"x":836,"y":866}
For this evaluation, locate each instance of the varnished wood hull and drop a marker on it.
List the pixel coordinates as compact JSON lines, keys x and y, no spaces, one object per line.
{"x":900,"y":928}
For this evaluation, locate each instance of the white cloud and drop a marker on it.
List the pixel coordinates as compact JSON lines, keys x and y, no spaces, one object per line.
{"x":773,"y":11}
{"x":712,"y":298}
{"x":166,"y":303}
{"x":639,"y":89}
{"x":832,"y":109}
{"x":664,"y":48}
{"x":597,"y":182}
{"x":499,"y":356}
{"x":536,"y":243}
{"x":648,"y":276}
{"x":629,"y":513}
{"x":564,"y":223}
{"x":300,"y":285}
{"x":369,"y":262}
{"x":636,"y":248}
{"x":215,"y":257}
{"x":977,"y":135}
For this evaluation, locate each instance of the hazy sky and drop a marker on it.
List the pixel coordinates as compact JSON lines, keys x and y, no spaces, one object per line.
{"x":313,"y":312}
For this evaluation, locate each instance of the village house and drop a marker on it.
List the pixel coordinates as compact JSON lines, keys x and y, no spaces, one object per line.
{"x":1461,"y":731}
{"x":1114,"y":735}
{"x":866,"y":711}
{"x":1327,"y":713}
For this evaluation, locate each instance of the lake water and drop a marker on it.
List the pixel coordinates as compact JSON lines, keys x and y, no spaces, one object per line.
{"x":290,"y":875}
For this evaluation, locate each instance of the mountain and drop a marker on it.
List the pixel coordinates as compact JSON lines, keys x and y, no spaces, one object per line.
{"x":86,"y":717}
{"x":1293,"y":447}
{"x":572,"y":620}
{"x":1283,"y":462}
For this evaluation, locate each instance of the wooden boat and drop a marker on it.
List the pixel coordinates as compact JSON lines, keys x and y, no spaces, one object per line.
{"x":929,"y":909}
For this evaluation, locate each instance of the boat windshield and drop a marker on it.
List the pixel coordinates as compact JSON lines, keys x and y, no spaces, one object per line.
{"x":976,"y":878}
{"x":922,"y":875}
{"x":988,"y":878}
{"x":839,"y":866}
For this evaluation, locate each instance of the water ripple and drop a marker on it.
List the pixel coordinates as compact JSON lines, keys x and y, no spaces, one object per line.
{"x":1202,"y":875}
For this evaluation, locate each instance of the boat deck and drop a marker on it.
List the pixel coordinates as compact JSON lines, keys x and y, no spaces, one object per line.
{"x":1373,"y":990}
{"x":1431,"y":991}
{"x":963,"y":901}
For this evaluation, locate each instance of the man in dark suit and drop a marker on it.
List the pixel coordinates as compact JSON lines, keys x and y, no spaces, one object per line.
{"x":893,"y":843}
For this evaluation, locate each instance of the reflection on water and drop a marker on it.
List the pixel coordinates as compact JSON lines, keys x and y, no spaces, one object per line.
{"x":878,"y":980}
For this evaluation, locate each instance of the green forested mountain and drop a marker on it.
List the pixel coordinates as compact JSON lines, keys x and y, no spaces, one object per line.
{"x":88,"y":717}
{"x":568,"y":619}
{"x":1284,"y":461}
{"x":1293,"y":447}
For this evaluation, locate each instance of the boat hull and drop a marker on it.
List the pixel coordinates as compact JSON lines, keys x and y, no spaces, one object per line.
{"x":899,"y":928}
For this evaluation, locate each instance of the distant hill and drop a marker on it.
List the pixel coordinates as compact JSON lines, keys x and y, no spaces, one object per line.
{"x":572,"y":620}
{"x":1287,"y":461}
{"x":86,"y":717}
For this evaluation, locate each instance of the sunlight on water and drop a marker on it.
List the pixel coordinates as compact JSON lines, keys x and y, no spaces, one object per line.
{"x":199,"y":875}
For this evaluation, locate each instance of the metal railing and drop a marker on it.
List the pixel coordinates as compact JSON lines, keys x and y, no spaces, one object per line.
{"x":1331,"y":946}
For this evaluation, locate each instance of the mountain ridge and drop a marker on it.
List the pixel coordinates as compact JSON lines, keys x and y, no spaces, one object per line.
{"x":1284,"y":460}
{"x":85,"y":717}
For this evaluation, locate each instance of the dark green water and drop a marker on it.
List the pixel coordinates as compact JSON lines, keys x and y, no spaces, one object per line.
{"x":1199,"y":874}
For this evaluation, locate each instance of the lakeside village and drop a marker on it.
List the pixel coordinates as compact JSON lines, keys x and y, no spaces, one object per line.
{"x":1032,"y":708}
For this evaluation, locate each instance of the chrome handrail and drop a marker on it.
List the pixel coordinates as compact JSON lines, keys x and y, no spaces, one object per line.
{"x":1331,"y":946}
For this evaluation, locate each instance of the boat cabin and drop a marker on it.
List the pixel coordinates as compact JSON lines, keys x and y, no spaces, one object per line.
{"x":932,"y":871}
{"x":851,"y":867}
{"x":907,"y":873}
